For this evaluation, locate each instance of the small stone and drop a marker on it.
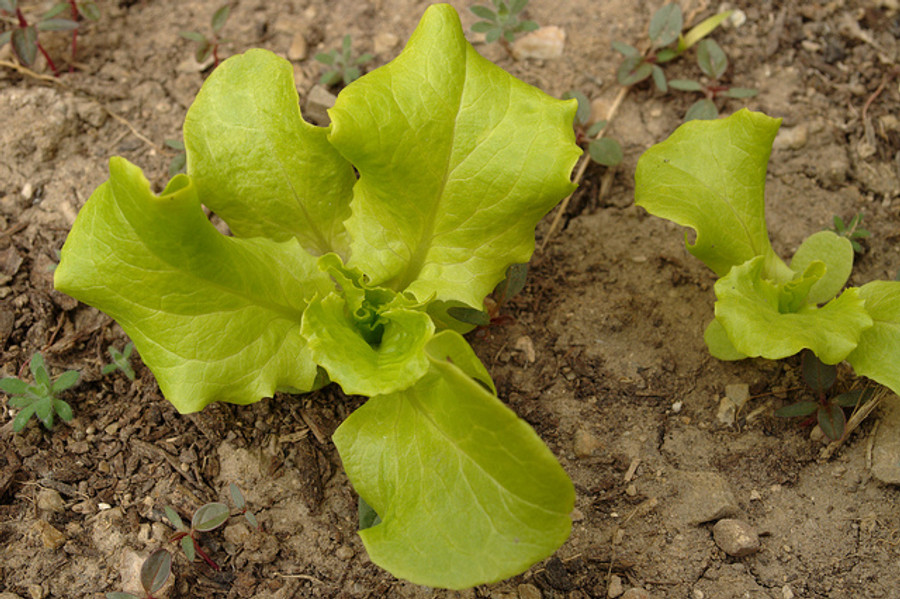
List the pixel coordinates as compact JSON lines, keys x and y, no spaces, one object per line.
{"x":35,"y":591}
{"x":585,"y":443}
{"x":738,"y":394}
{"x":735,"y":537}
{"x":344,"y":553}
{"x":27,"y":191}
{"x":636,"y":593}
{"x":50,"y":537}
{"x":816,"y":434}
{"x":318,"y":101}
{"x":576,"y":515}
{"x":49,"y":500}
{"x":631,"y":490}
{"x":528,"y":591}
{"x":755,"y":495}
{"x":704,"y":497}
{"x":130,"y":570}
{"x":786,"y":592}
{"x":791,"y":138}
{"x":385,"y":42}
{"x":526,"y":346}
{"x":726,"y":412}
{"x":676,"y":407}
{"x":299,"y":48}
{"x":543,"y":44}
{"x":615,"y":587}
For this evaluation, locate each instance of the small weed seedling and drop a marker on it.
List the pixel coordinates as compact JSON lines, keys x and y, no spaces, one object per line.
{"x":178,"y":161}
{"x":207,"y":46}
{"x":710,"y":176}
{"x":120,"y":361}
{"x":503,"y":22}
{"x":342,"y":67}
{"x":41,"y":397}
{"x":24,"y":36}
{"x":602,"y":150}
{"x":828,"y":410}
{"x":852,"y":231}
{"x":155,"y":571}
{"x":713,"y":63}
{"x":666,"y":44}
{"x":209,"y":517}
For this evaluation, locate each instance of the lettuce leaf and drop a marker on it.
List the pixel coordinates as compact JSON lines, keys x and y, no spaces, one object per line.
{"x":878,"y":353}
{"x":761,"y":318}
{"x":711,"y":176}
{"x":259,"y":165}
{"x":451,"y":183}
{"x":215,"y":318}
{"x":467,"y":493}
{"x":836,"y":253}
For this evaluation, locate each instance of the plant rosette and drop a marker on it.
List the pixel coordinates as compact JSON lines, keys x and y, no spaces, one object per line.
{"x":710,"y":176}
{"x":349,"y":245}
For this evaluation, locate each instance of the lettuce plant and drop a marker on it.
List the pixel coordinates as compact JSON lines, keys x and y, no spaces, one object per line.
{"x":350,"y":243}
{"x":710,"y":176}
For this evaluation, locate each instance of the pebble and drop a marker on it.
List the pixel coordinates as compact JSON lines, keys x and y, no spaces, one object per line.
{"x":726,"y":412}
{"x":344,"y":553}
{"x":27,"y":191}
{"x":585,"y":443}
{"x":791,"y":138}
{"x":543,"y":44}
{"x":786,"y":592}
{"x":36,"y":591}
{"x":704,"y":497}
{"x":738,"y":393}
{"x":49,"y":500}
{"x":528,"y":591}
{"x":525,"y":345}
{"x":298,"y":49}
{"x":615,"y":587}
{"x":318,"y":101}
{"x":385,"y":42}
{"x":735,"y":537}
{"x":886,"y":444}
{"x":50,"y":537}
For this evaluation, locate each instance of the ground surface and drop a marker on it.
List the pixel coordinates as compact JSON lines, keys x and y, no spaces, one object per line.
{"x":619,"y":385}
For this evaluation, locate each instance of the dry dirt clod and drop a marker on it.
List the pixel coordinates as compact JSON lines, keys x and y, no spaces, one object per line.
{"x":528,"y":591}
{"x":585,"y":443}
{"x":615,"y":588}
{"x":50,"y":537}
{"x":49,"y":500}
{"x":886,"y":445}
{"x":735,"y":537}
{"x":703,"y":497}
{"x":385,"y":43}
{"x":299,"y":48}
{"x":543,"y":44}
{"x":636,"y":593}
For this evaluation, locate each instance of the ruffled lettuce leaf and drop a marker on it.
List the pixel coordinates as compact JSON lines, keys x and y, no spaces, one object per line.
{"x":769,"y":320}
{"x":371,"y":341}
{"x":457,"y":162}
{"x":711,"y":176}
{"x":258,"y":164}
{"x":466,"y":491}
{"x":878,"y":353}
{"x":836,"y":254}
{"x":215,"y":318}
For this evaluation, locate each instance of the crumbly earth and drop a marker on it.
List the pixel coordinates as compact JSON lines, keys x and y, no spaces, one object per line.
{"x":605,"y":356}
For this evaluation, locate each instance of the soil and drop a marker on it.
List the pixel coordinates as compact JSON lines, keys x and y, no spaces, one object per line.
{"x":605,"y":356}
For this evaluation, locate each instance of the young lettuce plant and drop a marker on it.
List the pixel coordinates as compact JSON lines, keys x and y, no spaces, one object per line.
{"x":710,"y":176}
{"x":350,"y":243}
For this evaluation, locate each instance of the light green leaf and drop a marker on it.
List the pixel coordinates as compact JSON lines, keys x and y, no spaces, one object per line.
{"x":451,"y":187}
{"x":836,"y":253}
{"x":258,"y":164}
{"x":467,"y":493}
{"x":710,"y":176}
{"x":718,"y":343}
{"x":215,"y":318}
{"x":395,"y":362}
{"x":748,"y":307}
{"x":878,"y":353}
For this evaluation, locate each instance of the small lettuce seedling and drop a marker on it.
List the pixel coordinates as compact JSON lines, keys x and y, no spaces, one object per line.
{"x":710,"y":176}
{"x":40,"y":398}
{"x":350,"y":245}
